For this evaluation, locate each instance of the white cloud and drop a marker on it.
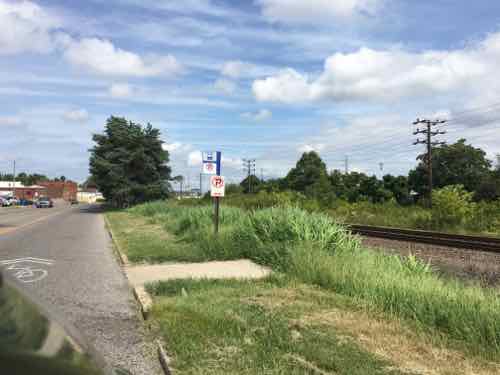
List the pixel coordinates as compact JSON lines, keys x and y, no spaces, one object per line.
{"x":233,"y":163}
{"x":309,"y":147}
{"x":194,"y":158}
{"x":225,"y":86}
{"x":314,"y":11}
{"x":25,"y":27}
{"x":76,"y":115}
{"x":102,"y":57}
{"x":369,"y":74}
{"x":177,"y":147}
{"x":288,"y":86}
{"x":261,"y":115}
{"x":120,"y":90}
{"x":234,"y":69}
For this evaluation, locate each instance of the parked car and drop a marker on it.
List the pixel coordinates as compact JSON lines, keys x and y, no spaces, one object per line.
{"x":3,"y":202}
{"x":13,"y":201}
{"x":25,"y":202}
{"x":44,"y":203}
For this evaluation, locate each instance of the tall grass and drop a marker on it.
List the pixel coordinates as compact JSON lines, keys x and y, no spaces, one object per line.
{"x":313,"y":248}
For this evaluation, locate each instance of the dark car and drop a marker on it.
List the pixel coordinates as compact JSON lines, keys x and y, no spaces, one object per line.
{"x":44,"y":203}
{"x":33,"y":342}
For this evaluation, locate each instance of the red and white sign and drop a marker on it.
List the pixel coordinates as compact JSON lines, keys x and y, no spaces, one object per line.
{"x":217,"y":186}
{"x":209,"y":167}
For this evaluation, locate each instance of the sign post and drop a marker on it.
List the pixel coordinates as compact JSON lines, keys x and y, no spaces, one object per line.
{"x":217,"y":189}
{"x":212,"y":166}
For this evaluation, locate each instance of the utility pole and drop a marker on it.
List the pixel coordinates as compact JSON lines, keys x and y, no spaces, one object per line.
{"x":429,"y":133}
{"x":14,"y":181}
{"x":262,"y":174}
{"x":346,"y":164}
{"x":249,"y":167}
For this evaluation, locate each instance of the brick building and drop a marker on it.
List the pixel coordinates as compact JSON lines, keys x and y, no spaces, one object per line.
{"x":66,"y":190}
{"x":8,"y":188}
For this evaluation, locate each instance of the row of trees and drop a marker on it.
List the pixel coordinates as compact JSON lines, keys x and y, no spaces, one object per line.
{"x":129,"y":165}
{"x":455,"y":164}
{"x":29,"y":179}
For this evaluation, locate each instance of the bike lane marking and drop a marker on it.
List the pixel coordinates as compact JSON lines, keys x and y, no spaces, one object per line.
{"x":28,"y":269}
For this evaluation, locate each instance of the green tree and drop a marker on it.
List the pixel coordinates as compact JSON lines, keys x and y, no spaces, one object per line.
{"x":251,"y":182}
{"x":399,"y":188}
{"x":456,"y":164}
{"x":309,"y":176}
{"x":128,"y":163}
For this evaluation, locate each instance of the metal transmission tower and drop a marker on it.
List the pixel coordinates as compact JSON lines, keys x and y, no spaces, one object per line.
{"x":249,"y":167}
{"x":429,"y":133}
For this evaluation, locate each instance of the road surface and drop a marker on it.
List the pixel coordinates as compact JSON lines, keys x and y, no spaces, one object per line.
{"x":63,"y":255}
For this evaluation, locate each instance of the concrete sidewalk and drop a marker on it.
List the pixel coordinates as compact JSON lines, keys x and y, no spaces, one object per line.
{"x":235,"y":269}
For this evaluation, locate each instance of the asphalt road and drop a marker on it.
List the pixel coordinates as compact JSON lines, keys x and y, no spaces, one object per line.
{"x":63,"y":255}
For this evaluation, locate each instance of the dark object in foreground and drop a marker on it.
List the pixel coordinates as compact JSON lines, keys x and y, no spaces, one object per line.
{"x":31,"y":342}
{"x":482,"y":243}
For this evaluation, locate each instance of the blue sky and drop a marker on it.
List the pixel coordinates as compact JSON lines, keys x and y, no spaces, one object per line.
{"x":263,"y":79}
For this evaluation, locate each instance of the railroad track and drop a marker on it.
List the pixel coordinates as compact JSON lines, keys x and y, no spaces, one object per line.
{"x":481,"y":243}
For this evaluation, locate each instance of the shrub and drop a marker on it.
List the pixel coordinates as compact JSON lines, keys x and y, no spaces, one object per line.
{"x":451,"y":206}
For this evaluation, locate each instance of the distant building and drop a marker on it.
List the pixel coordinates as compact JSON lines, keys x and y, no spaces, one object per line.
{"x":89,"y":195}
{"x":17,"y":189}
{"x":66,"y":190}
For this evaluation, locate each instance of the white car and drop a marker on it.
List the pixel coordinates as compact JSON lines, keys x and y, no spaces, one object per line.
{"x":4,"y":202}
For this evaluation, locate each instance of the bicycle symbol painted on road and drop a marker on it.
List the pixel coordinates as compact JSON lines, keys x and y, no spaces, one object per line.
{"x":27,"y":270}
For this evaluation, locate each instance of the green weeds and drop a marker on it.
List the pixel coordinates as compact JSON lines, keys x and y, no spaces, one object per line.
{"x":312,"y":248}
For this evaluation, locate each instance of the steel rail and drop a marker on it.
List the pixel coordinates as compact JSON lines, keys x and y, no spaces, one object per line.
{"x":480,"y":243}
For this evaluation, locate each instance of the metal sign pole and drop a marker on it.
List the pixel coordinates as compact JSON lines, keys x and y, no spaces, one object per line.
{"x":217,"y":199}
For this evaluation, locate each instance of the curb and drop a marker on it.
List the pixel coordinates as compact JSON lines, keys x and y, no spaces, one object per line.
{"x":164,"y":358}
{"x":143,"y":299}
{"x":121,"y":255}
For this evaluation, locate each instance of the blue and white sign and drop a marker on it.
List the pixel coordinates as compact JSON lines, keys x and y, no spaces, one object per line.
{"x":211,"y":162}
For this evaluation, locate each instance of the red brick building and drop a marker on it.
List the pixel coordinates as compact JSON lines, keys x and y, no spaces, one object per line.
{"x":66,"y":190}
{"x":8,"y":188}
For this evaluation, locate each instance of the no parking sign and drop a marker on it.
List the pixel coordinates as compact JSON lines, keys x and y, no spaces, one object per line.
{"x":217,"y":186}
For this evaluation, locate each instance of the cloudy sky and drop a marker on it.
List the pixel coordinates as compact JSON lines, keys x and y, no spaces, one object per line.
{"x":263,"y":79}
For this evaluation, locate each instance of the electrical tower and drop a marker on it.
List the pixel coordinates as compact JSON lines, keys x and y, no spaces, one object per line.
{"x":429,"y":133}
{"x":249,"y":168}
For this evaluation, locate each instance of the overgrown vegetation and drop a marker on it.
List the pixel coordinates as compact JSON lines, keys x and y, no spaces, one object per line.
{"x":316,"y":250}
{"x":454,"y":210}
{"x":278,"y":326}
{"x":223,"y":327}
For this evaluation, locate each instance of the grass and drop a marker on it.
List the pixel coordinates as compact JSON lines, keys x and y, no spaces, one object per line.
{"x":278,"y":326}
{"x":315,"y":250}
{"x":226,"y":327}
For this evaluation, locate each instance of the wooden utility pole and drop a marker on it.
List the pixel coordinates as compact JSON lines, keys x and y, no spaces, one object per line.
{"x":249,"y":167}
{"x":14,"y":181}
{"x":429,"y":133}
